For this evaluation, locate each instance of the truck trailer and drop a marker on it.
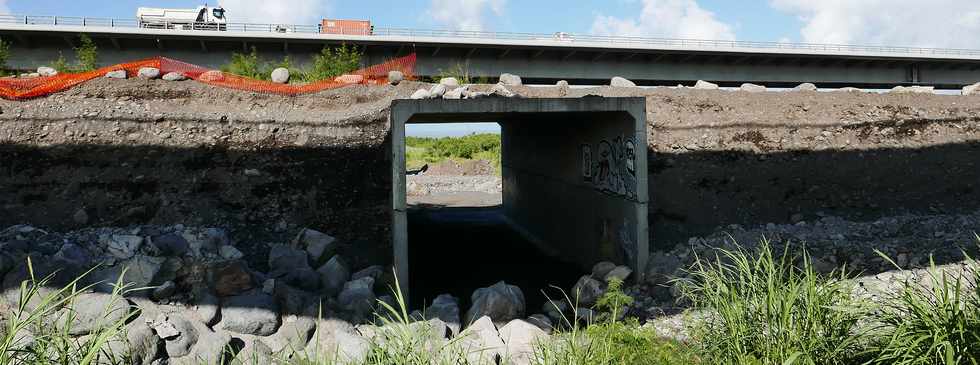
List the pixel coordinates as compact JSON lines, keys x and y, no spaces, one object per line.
{"x":202,"y":18}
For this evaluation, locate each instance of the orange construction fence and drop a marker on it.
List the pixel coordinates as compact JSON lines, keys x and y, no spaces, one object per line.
{"x":27,"y":88}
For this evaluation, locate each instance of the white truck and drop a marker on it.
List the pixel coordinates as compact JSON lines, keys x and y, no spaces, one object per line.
{"x":202,"y":18}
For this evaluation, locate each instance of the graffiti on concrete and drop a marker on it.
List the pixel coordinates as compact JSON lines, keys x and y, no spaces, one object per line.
{"x":611,"y":166}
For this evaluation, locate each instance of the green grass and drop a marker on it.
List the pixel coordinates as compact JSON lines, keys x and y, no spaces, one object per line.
{"x":423,"y":150}
{"x":327,"y":64}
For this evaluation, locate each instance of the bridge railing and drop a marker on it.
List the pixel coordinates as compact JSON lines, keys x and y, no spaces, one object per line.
{"x":569,"y":38}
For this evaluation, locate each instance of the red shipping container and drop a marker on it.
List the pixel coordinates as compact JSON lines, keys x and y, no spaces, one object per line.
{"x":348,"y":27}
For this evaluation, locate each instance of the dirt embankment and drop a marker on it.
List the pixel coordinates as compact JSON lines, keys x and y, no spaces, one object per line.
{"x":116,"y":152}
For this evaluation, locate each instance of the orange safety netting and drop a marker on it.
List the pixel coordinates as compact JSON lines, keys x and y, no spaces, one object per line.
{"x":27,"y":88}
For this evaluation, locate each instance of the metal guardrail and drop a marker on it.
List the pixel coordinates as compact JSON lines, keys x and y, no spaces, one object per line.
{"x":569,"y":38}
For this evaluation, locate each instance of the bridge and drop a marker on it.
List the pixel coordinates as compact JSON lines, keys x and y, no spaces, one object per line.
{"x":538,"y":58}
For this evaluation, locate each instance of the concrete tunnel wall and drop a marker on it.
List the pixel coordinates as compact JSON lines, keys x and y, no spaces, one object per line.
{"x":574,"y":181}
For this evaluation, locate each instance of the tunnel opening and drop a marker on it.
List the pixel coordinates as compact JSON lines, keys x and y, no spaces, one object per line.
{"x":572,"y":193}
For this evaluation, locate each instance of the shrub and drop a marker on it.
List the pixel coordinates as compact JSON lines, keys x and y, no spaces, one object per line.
{"x":4,"y":55}
{"x":61,"y":64}
{"x":461,"y":72}
{"x":247,"y":65}
{"x":333,"y":62}
{"x":767,"y":309}
{"x":86,"y":55}
{"x":935,"y":322}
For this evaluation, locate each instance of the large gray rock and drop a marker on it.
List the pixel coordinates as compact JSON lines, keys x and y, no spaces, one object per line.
{"x":438,"y":90}
{"x":211,"y":347}
{"x":333,"y":275}
{"x":45,"y":71}
{"x":501,"y":90}
{"x":586,"y":291}
{"x":293,"y":334}
{"x":621,"y":82}
{"x":450,"y":82}
{"x":90,"y":312}
{"x":254,"y":351}
{"x":139,"y":272}
{"x":395,"y":77}
{"x":507,"y":79}
{"x":283,"y":259}
{"x":704,"y":85}
{"x":501,"y":302}
{"x":972,"y":89}
{"x":421,"y":94}
{"x":121,"y":246}
{"x":203,"y":243}
{"x":375,"y":272}
{"x":171,"y":244}
{"x":116,"y":74}
{"x":318,"y":245}
{"x":752,"y":88}
{"x":230,"y":278}
{"x":446,"y":308}
{"x":181,"y":344}
{"x":339,"y":341}
{"x":174,"y":76}
{"x":141,"y":345}
{"x":806,"y":86}
{"x":252,"y":314}
{"x":619,"y":272}
{"x":600,"y":269}
{"x":280,"y":75}
{"x":521,"y":339}
{"x":455,"y":94}
{"x":481,"y":342}
{"x":148,"y":73}
{"x":913,"y":90}
{"x":358,"y":298}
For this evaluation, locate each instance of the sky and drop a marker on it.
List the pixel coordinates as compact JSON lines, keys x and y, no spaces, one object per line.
{"x":916,"y":23}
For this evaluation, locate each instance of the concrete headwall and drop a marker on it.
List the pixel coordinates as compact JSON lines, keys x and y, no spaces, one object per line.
{"x":570,"y":184}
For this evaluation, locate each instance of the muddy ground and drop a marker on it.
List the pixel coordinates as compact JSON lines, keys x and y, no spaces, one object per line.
{"x":122,"y":152}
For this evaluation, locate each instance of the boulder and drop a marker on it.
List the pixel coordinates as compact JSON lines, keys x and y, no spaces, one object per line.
{"x":421,"y":94}
{"x":375,"y":272}
{"x":481,"y":342}
{"x":661,"y":267}
{"x":45,"y":71}
{"x":621,"y":82}
{"x":333,"y":275}
{"x":438,"y":90}
{"x":912,"y":90}
{"x":450,"y":82}
{"x":141,"y":345}
{"x":806,"y":86}
{"x":90,"y":312}
{"x":520,"y":339}
{"x":752,"y":88}
{"x":148,"y":73}
{"x":339,"y":341}
{"x":563,"y":88}
{"x":456,"y":93}
{"x":283,"y":259}
{"x":203,"y":243}
{"x":586,"y":291}
{"x":395,"y":77}
{"x":704,"y":85}
{"x":501,"y":90}
{"x":293,"y":334}
{"x":171,"y":244}
{"x":358,"y":298}
{"x":507,"y":79}
{"x":304,"y":278}
{"x":116,"y":74}
{"x":179,"y":345}
{"x":211,"y":347}
{"x":972,"y":89}
{"x":69,"y":253}
{"x":251,"y":314}
{"x":280,"y":75}
{"x":620,"y":272}
{"x":121,"y":246}
{"x":501,"y":302}
{"x":555,"y":310}
{"x":138,"y":272}
{"x":229,"y":252}
{"x":175,"y":76}
{"x":600,"y":269}
{"x":230,"y":278}
{"x":254,"y":351}
{"x":446,"y":308}
{"x":318,"y":245}
{"x":541,"y":321}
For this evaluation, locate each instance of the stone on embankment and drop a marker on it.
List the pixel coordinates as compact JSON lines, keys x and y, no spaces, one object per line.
{"x":357,"y":297}
{"x":972,"y":89}
{"x":174,"y":76}
{"x":122,"y":246}
{"x":520,"y":339}
{"x":116,"y":74}
{"x":507,"y":79}
{"x":704,"y":85}
{"x":148,"y":73}
{"x":395,"y":77}
{"x":483,"y":344}
{"x":446,"y":308}
{"x":283,"y":259}
{"x":280,"y":75}
{"x":586,"y":291}
{"x":318,"y":245}
{"x":90,"y":312}
{"x":599,"y":270}
{"x":620,"y":272}
{"x":45,"y":71}
{"x":806,"y":86}
{"x":621,"y":82}
{"x":333,"y":275}
{"x":456,"y":93}
{"x":421,"y":94}
{"x":501,"y":90}
{"x":438,"y":90}
{"x":912,"y":90}
{"x":253,"y":314}
{"x":501,"y":302}
{"x":450,"y":82}
{"x":752,"y":88}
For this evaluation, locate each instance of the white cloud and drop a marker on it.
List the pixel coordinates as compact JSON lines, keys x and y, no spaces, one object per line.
{"x":464,"y":14}
{"x":935,"y":23}
{"x":275,"y":12}
{"x":666,"y":18}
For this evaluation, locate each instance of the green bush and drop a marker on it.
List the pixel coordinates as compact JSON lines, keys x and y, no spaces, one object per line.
{"x":4,"y":56}
{"x":87,"y":55}
{"x":768,"y":309}
{"x":333,"y":62}
{"x":935,"y":322}
{"x":247,"y":65}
